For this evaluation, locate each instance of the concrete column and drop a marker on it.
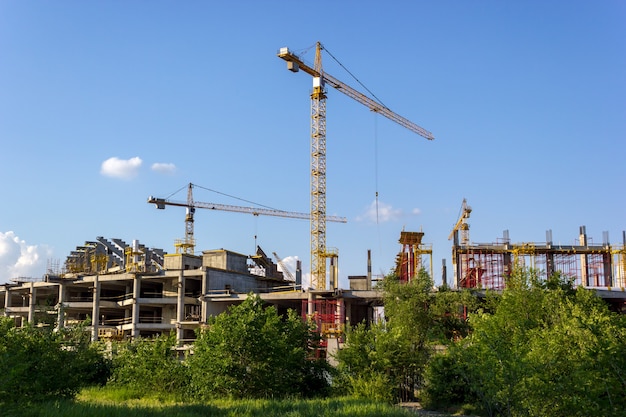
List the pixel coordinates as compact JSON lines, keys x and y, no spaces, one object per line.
{"x":368,"y":284}
{"x":32,"y":294}
{"x":7,"y":300}
{"x":340,"y":312}
{"x":608,"y":271}
{"x":332,"y":347}
{"x":61,"y":307}
{"x":180,"y":307}
{"x":95,"y":311}
{"x":204,"y":314}
{"x":311,"y":304}
{"x":584,"y":266}
{"x":333,"y":277}
{"x":134,"y":332}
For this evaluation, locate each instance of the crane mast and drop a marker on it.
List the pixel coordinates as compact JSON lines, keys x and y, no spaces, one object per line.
{"x":189,"y":244}
{"x":318,"y":177}
{"x":318,"y":149}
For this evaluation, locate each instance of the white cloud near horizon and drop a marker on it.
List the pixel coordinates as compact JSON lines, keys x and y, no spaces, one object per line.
{"x":121,"y":168}
{"x":163,"y":167}
{"x":379,"y":212}
{"x":19,"y":259}
{"x":290,"y":262}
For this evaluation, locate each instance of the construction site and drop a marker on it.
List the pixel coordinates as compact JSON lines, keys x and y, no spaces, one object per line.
{"x":129,"y":290}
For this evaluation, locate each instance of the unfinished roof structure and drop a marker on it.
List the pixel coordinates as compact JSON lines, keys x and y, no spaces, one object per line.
{"x":601,"y":267}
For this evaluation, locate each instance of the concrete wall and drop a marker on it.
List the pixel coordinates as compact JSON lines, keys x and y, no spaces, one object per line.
{"x":182,"y":261}
{"x":226,"y":260}
{"x":221,"y":280}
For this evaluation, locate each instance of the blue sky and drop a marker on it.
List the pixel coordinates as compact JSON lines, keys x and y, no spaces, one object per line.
{"x":104,"y":103}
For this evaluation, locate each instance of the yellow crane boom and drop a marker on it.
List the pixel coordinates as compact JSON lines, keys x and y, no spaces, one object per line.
{"x":295,"y":64}
{"x":318,"y":149}
{"x":462,"y":225}
{"x":188,"y":244}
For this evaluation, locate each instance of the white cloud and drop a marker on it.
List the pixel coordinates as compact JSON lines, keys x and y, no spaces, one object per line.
{"x":306,"y":281}
{"x":121,"y":168}
{"x":164,"y":168}
{"x":18,"y":259}
{"x":290,"y":263}
{"x":380,"y":212}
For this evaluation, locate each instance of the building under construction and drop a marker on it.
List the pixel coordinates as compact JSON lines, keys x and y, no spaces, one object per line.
{"x":128,"y":291}
{"x":601,"y":267}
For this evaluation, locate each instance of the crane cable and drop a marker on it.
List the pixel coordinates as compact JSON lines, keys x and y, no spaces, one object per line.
{"x":375,"y":137}
{"x":380,"y":244}
{"x":355,"y":79}
{"x":375,"y":127}
{"x":376,"y":162}
{"x":221,"y":193}
{"x":376,"y":201}
{"x":236,"y":198}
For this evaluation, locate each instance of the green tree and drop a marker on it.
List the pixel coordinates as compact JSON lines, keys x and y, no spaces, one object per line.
{"x":542,"y":349}
{"x":576,"y":359}
{"x":252,"y":352}
{"x":148,"y":366}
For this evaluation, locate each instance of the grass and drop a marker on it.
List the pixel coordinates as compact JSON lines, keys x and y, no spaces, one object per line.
{"x":107,"y":402}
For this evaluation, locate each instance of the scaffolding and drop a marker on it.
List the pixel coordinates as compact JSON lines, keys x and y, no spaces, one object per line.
{"x":487,"y":266}
{"x":413,"y":256}
{"x":327,"y":317}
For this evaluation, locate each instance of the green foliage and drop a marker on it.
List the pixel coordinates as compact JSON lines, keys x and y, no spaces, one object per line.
{"x":446,"y":380}
{"x":363,"y":369}
{"x":544,"y":349}
{"x":37,"y":364}
{"x":373,"y":387}
{"x":387,"y":360}
{"x":449,"y":310}
{"x":148,"y":366}
{"x":100,"y":403}
{"x":252,"y":352}
{"x":577,"y":361}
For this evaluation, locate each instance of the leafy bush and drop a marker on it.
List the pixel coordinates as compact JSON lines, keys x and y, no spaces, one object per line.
{"x":398,"y":350}
{"x":546,"y":349}
{"x":148,"y":366}
{"x":38,"y":364}
{"x":446,"y":381}
{"x":252,"y":352}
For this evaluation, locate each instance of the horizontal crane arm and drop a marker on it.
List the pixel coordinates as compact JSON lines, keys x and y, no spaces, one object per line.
{"x":161,"y":203}
{"x":295,"y":64}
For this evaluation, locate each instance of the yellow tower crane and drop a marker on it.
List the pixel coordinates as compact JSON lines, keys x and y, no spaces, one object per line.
{"x":462,"y":225}
{"x":318,"y":149}
{"x":188,"y":244}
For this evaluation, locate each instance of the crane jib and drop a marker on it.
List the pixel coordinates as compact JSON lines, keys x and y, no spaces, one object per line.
{"x":255,"y":211}
{"x":298,"y":64}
